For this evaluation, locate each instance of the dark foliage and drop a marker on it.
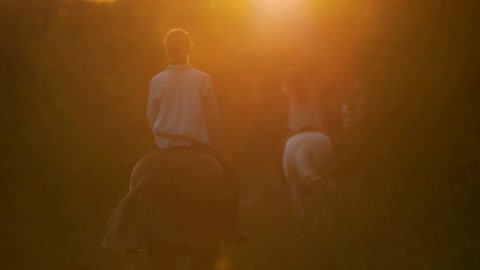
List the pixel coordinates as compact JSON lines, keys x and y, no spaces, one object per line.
{"x":74,"y":78}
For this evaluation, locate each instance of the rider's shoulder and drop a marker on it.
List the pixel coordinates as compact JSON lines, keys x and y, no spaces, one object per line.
{"x":200,"y":73}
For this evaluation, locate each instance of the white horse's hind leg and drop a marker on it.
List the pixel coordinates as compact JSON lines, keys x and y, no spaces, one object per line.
{"x":314,"y":160}
{"x":293,"y":181}
{"x":297,"y":203}
{"x":306,"y":157}
{"x":308,"y":169}
{"x":297,"y":200}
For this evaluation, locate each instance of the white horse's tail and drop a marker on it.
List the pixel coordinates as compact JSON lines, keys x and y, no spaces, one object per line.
{"x":305,"y":161}
{"x":309,"y":154}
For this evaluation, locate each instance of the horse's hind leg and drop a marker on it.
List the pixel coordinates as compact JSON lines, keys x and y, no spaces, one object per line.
{"x":161,"y":258}
{"x":297,"y":201}
{"x":293,"y":181}
{"x":201,"y":263}
{"x":205,"y":259}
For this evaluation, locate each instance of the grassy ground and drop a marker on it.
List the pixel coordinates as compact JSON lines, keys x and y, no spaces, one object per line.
{"x":369,"y":220}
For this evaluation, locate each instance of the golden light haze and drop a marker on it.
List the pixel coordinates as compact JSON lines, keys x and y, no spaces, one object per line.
{"x":101,"y":1}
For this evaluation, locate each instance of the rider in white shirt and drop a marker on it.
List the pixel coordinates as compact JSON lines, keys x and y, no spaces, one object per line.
{"x":183,"y":111}
{"x":305,"y":101}
{"x":182,"y":107}
{"x":305,"y":112}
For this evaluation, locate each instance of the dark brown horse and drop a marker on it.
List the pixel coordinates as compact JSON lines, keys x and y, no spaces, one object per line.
{"x":178,"y":205}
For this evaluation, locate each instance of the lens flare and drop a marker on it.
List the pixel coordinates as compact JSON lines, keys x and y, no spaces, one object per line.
{"x":223,"y":263}
{"x":281,"y":22}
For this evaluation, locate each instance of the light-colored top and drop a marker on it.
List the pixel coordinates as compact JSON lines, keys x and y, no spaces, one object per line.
{"x":307,"y":114}
{"x":182,"y":107}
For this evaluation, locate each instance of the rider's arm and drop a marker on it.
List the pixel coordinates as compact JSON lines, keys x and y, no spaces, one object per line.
{"x":152,"y":105}
{"x":212,"y":114}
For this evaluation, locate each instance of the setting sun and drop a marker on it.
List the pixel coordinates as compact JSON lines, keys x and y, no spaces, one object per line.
{"x":275,"y":6}
{"x":101,"y":1}
{"x":280,"y":10}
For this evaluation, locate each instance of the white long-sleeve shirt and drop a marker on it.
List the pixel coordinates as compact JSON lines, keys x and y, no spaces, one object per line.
{"x":307,"y":114}
{"x":182,"y":107}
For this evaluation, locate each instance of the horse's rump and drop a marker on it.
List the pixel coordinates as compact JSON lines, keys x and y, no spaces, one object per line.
{"x":176,"y":197}
{"x":305,"y":163}
{"x":308,"y":143}
{"x":307,"y":155}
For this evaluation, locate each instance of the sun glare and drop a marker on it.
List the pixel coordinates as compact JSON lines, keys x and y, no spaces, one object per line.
{"x":278,"y":21}
{"x":101,"y":1}
{"x":280,"y":7}
{"x":280,"y":12}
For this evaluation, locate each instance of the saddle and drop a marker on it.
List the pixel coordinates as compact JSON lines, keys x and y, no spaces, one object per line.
{"x":165,"y":162}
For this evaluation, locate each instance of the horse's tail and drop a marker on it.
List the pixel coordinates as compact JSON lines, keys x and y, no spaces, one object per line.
{"x":313,"y":158}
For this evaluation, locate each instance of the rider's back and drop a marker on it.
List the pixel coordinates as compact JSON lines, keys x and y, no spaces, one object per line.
{"x":179,"y":99}
{"x":306,"y":113}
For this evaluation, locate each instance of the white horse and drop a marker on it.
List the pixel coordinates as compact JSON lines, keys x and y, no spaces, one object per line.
{"x":306,"y":157}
